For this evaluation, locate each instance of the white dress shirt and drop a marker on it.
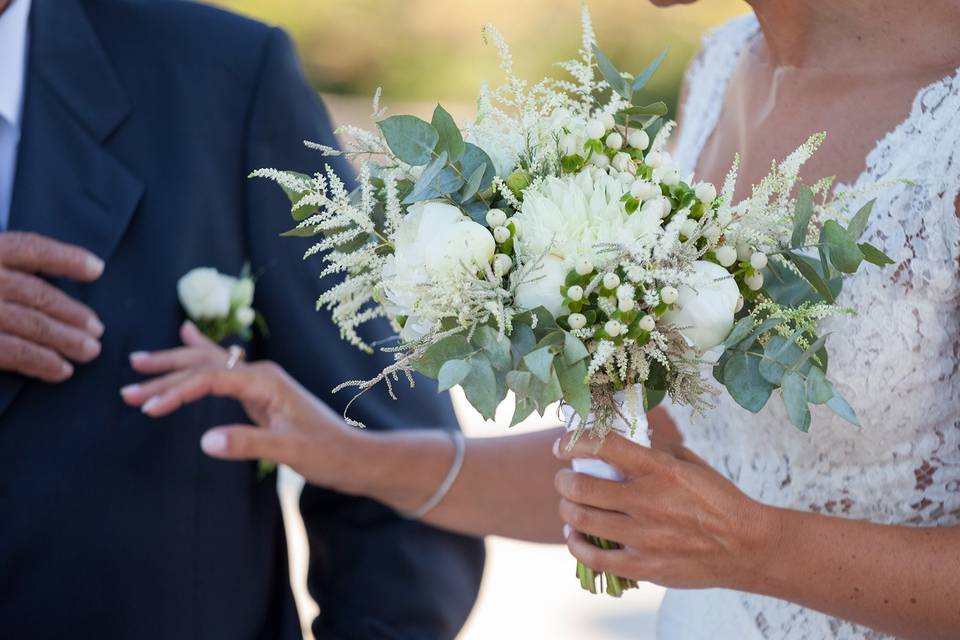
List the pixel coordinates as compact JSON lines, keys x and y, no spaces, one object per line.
{"x":13,"y":66}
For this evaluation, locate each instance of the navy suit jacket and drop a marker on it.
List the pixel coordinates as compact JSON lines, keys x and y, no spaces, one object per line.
{"x":141,"y":123}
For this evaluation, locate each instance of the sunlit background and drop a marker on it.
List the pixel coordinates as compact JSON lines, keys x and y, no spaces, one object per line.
{"x":427,"y":51}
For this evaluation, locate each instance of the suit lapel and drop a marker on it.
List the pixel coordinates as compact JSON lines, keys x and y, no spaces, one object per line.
{"x":68,"y":185}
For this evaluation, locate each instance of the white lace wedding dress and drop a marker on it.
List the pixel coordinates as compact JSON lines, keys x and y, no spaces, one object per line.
{"x":898,"y":363}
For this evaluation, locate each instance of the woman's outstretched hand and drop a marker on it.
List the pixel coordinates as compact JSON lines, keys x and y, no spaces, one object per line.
{"x":293,"y":427}
{"x":680,"y":522}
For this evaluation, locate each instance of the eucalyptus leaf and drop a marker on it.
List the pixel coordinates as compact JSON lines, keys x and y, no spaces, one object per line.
{"x":801,"y":216}
{"x":819,"y":389}
{"x":858,"y":224}
{"x":652,"y":397}
{"x":643,"y":111}
{"x":496,"y":348}
{"x":450,"y":139}
{"x":611,"y":74}
{"x":573,"y":349}
{"x":873,"y":255}
{"x":480,"y":387}
{"x":519,"y":382}
{"x":573,"y":382}
{"x":746,"y":386}
{"x":452,"y":373}
{"x":740,"y":331}
{"x":473,"y":157}
{"x":522,"y":341}
{"x":473,"y":184}
{"x":845,"y":255}
{"x":540,"y":362}
{"x":812,"y":276}
{"x":794,"y":392}
{"x":411,"y":139}
{"x":453,"y":347}
{"x":301,"y":232}
{"x":641,"y":80}
{"x":780,"y":354}
{"x":545,"y":393}
{"x":791,"y":290}
{"x":476,"y":210}
{"x":842,"y":408}
{"x":523,"y":410}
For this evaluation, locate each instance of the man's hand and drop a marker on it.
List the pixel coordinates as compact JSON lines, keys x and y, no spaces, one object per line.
{"x":42,"y":330}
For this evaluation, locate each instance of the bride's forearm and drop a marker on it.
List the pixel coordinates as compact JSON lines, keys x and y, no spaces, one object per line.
{"x":900,"y":580}
{"x":505,"y":486}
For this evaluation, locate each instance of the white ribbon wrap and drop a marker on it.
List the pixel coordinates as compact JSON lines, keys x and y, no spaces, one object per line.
{"x":633,"y":426}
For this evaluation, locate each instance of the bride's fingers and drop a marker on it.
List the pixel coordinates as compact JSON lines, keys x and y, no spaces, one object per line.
{"x":243,"y":442}
{"x":596,"y":522}
{"x":608,"y":560}
{"x":156,"y":362}
{"x":193,"y":337}
{"x":246,"y":383}
{"x":136,"y":394}
{"x":590,"y":491}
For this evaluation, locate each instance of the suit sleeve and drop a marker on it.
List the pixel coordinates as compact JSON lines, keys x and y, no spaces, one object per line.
{"x":374,"y":574}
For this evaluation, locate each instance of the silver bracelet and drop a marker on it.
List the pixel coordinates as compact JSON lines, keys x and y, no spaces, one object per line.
{"x":460,"y":451}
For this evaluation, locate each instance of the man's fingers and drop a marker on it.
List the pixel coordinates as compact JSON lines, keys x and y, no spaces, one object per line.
{"x":44,"y":331}
{"x":627,"y":456}
{"x":21,"y":356}
{"x":31,"y":291}
{"x":37,"y":254}
{"x":156,"y":362}
{"x":242,"y":442}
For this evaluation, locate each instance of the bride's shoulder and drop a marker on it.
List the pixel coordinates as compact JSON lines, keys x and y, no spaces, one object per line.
{"x":727,"y":39}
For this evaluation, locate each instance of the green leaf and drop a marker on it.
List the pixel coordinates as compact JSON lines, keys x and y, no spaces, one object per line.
{"x":453,"y":347}
{"x":522,"y":341}
{"x":519,"y":382}
{"x":522,"y":411}
{"x":611,"y":74}
{"x":480,"y":387}
{"x":496,"y":350}
{"x":842,"y":408}
{"x":819,"y":389}
{"x":795,"y":398}
{"x":539,"y":363}
{"x":873,"y":255}
{"x":845,"y":255}
{"x":450,"y":139}
{"x":801,"y":216}
{"x":427,"y":185}
{"x":740,"y":331}
{"x":789,"y":289}
{"x":858,"y":224}
{"x":745,"y":384}
{"x":473,"y":157}
{"x":543,"y":394}
{"x":300,"y":232}
{"x":641,"y":111}
{"x":812,"y":276}
{"x":573,"y":349}
{"x":411,"y":139}
{"x":652,"y":397}
{"x":573,"y":382}
{"x":780,"y":354}
{"x":473,"y":183}
{"x":641,"y":80}
{"x":452,"y":373}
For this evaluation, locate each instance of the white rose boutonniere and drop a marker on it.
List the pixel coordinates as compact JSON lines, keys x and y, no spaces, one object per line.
{"x":220,"y":305}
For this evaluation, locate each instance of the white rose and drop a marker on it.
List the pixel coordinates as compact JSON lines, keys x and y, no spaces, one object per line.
{"x":542,"y":287}
{"x":704,"y":311}
{"x":242,"y":295}
{"x":205,"y":293}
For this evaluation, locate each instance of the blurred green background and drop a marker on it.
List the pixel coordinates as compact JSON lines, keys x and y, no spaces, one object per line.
{"x":431,"y":50}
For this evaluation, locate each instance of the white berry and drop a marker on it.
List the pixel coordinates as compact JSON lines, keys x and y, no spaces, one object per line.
{"x":611,"y":281}
{"x":496,"y":218}
{"x":739,"y":305}
{"x":653,"y":159}
{"x":501,"y":234}
{"x":726,"y":255}
{"x":568,"y":144}
{"x":671,"y":177}
{"x":705,"y":192}
{"x":575,"y":293}
{"x":648,"y":323}
{"x":608,"y":121}
{"x":612,"y":327}
{"x":600,"y":161}
{"x":754,"y":282}
{"x":584,"y":266}
{"x":502,"y":263}
{"x":758,"y":260}
{"x":595,"y":129}
{"x":638,"y":139}
{"x":743,"y":252}
{"x":626,"y":304}
{"x":669,"y":295}
{"x":577,"y":321}
{"x":621,"y":161}
{"x":615,"y":140}
{"x":688,"y":228}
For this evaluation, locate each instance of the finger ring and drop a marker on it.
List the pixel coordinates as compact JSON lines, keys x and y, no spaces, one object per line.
{"x":235,"y":356}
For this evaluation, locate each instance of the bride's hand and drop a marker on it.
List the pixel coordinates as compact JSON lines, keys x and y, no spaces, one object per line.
{"x":680,"y":522}
{"x":293,"y":426}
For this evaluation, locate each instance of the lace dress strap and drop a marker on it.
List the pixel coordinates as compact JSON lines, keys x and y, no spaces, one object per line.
{"x":706,"y":82}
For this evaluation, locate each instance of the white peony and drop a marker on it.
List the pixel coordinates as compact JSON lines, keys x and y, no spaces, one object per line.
{"x":568,"y":219}
{"x":205,"y":293}
{"x":705,"y":308}
{"x":435,"y":243}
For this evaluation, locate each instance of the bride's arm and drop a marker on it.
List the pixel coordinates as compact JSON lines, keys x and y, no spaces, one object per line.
{"x":684,"y":525}
{"x":505,"y":486}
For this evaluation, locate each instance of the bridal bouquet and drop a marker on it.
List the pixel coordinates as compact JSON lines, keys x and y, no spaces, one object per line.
{"x":552,"y":248}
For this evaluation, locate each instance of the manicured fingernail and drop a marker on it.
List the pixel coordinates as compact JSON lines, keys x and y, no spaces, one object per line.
{"x":91,"y":348}
{"x":213,"y":442}
{"x":138,"y":355}
{"x":567,"y":531}
{"x":130,"y":388}
{"x":556,"y":448}
{"x":150,"y":404}
{"x":95,"y":266}
{"x":66,"y":370}
{"x":95,"y":327}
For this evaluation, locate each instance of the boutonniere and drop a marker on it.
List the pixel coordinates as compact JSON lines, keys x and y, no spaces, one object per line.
{"x":220,"y":305}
